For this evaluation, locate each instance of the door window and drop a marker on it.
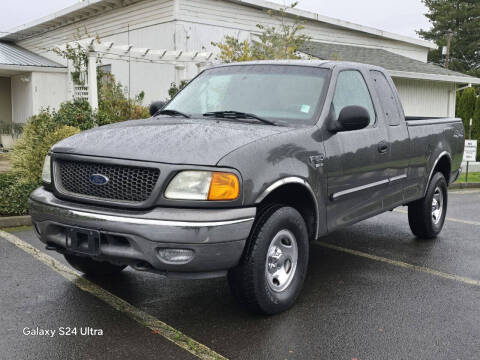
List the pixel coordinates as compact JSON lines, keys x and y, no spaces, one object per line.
{"x":351,"y":90}
{"x":388,"y":99}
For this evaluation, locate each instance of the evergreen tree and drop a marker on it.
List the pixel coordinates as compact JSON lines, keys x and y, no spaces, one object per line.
{"x":462,"y":19}
{"x":466,"y":106}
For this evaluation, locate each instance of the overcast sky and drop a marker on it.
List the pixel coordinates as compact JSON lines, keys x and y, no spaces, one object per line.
{"x":402,"y":17}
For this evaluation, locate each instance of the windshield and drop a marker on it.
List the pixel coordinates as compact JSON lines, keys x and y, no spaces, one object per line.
{"x":280,"y":93}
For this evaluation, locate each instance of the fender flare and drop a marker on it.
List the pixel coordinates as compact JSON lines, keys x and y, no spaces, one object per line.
{"x":293,"y":180}
{"x":441,"y":155}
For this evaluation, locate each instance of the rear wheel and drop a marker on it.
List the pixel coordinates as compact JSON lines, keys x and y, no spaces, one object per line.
{"x":270,"y":275}
{"x":426,"y":216}
{"x":89,"y":266}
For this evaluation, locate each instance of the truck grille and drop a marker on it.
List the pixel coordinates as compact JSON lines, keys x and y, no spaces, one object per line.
{"x":125,"y":183}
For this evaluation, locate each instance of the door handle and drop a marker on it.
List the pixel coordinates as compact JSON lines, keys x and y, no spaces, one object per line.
{"x":382,"y":147}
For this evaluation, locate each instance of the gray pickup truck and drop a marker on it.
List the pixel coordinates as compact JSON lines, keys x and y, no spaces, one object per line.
{"x":240,"y":171}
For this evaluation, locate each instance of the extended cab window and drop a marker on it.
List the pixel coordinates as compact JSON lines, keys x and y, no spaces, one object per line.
{"x":351,"y":89}
{"x":387,"y":97}
{"x":281,"y":93}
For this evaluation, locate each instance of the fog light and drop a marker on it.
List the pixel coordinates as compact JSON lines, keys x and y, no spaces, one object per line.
{"x":176,"y":256}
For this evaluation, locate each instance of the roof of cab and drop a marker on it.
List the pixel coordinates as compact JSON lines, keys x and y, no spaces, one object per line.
{"x":329,"y":64}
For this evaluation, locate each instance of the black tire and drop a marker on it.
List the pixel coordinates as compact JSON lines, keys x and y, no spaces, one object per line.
{"x":420,"y":217}
{"x":249,"y":281}
{"x":92,"y":267}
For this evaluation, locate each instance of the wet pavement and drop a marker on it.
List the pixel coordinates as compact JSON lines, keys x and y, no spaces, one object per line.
{"x":351,"y":307}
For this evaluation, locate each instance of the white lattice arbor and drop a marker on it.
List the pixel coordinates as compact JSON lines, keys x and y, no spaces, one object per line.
{"x":80,"y":92}
{"x":179,"y":58}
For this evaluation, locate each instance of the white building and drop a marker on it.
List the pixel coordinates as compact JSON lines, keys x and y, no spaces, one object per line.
{"x":32,"y":77}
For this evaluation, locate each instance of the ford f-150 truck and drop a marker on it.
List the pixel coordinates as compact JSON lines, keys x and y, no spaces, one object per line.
{"x":240,"y":171}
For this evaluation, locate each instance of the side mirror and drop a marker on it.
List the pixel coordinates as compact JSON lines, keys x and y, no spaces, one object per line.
{"x":352,"y":118}
{"x":155,"y":106}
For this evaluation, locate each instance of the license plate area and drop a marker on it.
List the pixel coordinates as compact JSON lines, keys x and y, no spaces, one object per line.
{"x":83,"y":241}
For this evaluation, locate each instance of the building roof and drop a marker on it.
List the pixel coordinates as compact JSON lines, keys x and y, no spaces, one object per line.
{"x":90,"y":8}
{"x":69,"y":15}
{"x":16,"y":56}
{"x":398,"y":65}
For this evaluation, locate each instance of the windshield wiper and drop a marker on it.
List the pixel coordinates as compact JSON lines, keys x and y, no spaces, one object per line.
{"x":237,"y":115}
{"x":171,"y":112}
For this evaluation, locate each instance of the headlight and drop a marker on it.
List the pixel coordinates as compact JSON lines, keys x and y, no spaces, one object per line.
{"x":203,"y":185}
{"x":46,"y":172}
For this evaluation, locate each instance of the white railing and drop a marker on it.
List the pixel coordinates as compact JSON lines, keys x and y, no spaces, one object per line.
{"x":80,"y":92}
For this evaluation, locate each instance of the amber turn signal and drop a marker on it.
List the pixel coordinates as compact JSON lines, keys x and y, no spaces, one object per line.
{"x":223,"y":186}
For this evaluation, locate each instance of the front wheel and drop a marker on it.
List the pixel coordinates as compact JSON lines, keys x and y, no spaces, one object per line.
{"x":271,"y":273}
{"x":426,"y":216}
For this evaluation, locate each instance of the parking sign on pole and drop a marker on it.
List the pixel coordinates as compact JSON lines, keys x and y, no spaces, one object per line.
{"x":470,"y":152}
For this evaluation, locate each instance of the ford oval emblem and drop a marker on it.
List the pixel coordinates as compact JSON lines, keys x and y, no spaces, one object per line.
{"x":98,"y":179}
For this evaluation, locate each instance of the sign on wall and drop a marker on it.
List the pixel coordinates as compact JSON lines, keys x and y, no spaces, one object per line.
{"x":470,"y":153}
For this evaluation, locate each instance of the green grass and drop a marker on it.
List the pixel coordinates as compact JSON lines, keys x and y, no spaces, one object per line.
{"x":472,"y":177}
{"x":17,"y":228}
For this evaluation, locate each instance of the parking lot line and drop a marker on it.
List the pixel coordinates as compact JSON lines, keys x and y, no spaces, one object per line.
{"x":402,"y":264}
{"x":477,"y":223}
{"x":157,"y":326}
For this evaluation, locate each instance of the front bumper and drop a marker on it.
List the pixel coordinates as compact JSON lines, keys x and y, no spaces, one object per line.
{"x":216,"y":236}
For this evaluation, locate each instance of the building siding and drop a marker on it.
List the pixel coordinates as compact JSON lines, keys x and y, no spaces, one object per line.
{"x":112,"y":23}
{"x":204,"y":20}
{"x":228,"y":17}
{"x":5,"y":100}
{"x":49,"y":90}
{"x":22,"y":97}
{"x":426,"y":98}
{"x":144,"y":24}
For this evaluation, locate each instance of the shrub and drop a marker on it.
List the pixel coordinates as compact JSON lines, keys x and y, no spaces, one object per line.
{"x":466,"y":106}
{"x":114,"y":107}
{"x":40,"y":133}
{"x":6,"y":179}
{"x":77,"y":113}
{"x":10,"y":128}
{"x":14,"y":192}
{"x":175,"y":89}
{"x":281,"y":41}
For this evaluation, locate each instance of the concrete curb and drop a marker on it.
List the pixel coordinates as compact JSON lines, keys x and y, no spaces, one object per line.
{"x":465,"y":186}
{"x":14,"y":221}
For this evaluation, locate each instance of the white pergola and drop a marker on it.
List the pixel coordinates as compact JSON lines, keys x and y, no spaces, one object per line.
{"x":179,"y":58}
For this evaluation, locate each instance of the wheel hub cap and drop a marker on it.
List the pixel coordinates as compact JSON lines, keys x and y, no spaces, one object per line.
{"x":282,"y":257}
{"x":437,"y":205}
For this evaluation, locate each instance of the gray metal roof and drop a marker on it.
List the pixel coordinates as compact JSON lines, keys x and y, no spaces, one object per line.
{"x":378,"y":57}
{"x":15,"y":55}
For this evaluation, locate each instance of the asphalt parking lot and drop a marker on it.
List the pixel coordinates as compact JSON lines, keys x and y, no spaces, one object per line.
{"x":373,"y":292}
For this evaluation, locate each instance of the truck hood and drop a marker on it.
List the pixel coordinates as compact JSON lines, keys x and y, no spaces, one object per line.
{"x":167,"y":140}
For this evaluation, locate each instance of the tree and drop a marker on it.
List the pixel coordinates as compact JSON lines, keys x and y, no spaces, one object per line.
{"x":466,"y":106}
{"x":272,"y":43}
{"x":461,"y":18}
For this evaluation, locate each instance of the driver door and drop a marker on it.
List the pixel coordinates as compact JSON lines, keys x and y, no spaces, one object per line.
{"x":357,"y":160}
